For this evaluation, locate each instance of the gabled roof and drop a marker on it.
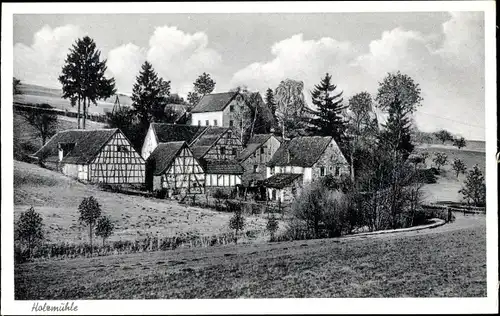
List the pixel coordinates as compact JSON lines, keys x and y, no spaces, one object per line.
{"x":281,"y":180}
{"x":214,"y":102}
{"x":303,"y":151}
{"x":166,"y":132}
{"x":88,"y":143}
{"x":253,"y":144}
{"x":163,"y":156}
{"x":202,"y":144}
{"x":222,"y":167}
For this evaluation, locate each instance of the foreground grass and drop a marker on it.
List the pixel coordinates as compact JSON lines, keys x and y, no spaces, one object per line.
{"x":447,"y":263}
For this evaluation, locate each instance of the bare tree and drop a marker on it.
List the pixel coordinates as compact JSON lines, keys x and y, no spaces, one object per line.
{"x":42,"y":120}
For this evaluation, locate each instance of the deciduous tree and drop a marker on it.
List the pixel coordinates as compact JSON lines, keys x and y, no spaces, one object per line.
{"x":44,"y":122}
{"x":459,"y":142}
{"x":90,"y":211}
{"x":104,"y":228}
{"x":474,"y":189}
{"x":440,"y":159}
{"x":458,"y":166}
{"x":443,"y":135}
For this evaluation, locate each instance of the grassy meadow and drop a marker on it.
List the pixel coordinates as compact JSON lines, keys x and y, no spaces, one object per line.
{"x":448,"y":261}
{"x":56,"y":197}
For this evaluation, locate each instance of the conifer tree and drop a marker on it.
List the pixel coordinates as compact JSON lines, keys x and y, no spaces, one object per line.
{"x":83,"y":77}
{"x":149,"y":95}
{"x":327,"y":120}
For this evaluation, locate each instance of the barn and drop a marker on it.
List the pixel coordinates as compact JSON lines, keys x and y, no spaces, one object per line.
{"x":173,"y":168}
{"x":97,"y":156}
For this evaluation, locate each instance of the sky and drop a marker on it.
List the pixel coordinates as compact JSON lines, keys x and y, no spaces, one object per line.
{"x":442,"y":51}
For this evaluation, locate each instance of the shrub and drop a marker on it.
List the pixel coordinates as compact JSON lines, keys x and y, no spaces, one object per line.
{"x":219,"y":197}
{"x":29,"y":229}
{"x":426,"y":175}
{"x":272,"y":226}
{"x":237,"y":221}
{"x":459,"y":142}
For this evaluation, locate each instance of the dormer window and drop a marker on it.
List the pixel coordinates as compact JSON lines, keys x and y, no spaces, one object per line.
{"x":65,"y":149}
{"x":122,"y":149}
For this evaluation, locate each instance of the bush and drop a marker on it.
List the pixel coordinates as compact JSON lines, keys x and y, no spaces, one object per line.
{"x":426,"y":176}
{"x":219,"y":197}
{"x":321,"y":212}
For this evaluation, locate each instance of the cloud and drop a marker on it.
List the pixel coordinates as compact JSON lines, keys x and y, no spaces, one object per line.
{"x":464,"y":39}
{"x":176,"y":56}
{"x":124,"y":63}
{"x":448,"y":66}
{"x":41,"y":62}
{"x":299,"y":59}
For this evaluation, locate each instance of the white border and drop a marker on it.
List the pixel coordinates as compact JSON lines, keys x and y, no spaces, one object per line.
{"x":257,"y":306}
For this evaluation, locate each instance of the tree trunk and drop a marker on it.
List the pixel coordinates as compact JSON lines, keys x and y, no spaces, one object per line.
{"x":84,"y":112}
{"x":352,"y":166}
{"x":90,"y":234}
{"x":78,"y":115}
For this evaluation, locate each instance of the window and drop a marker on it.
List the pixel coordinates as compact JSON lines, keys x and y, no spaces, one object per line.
{"x":255,"y":168}
{"x":231,"y":108}
{"x":207,"y":123}
{"x":322,"y":171}
{"x":337,"y":171}
{"x":231,"y":123}
{"x":273,"y":194}
{"x":122,"y":149}
{"x":215,"y":122}
{"x":234,"y":152}
{"x":199,"y":123}
{"x":262,"y":150}
{"x":271,"y":170}
{"x":223,"y":150}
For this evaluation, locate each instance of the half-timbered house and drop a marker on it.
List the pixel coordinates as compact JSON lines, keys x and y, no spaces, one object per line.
{"x":216,"y":143}
{"x":258,"y":152}
{"x":166,"y":132}
{"x":171,"y":167}
{"x":98,"y":156}
{"x":312,"y":157}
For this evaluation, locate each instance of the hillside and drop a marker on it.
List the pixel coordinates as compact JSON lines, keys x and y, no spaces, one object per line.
{"x":134,"y":216}
{"x":27,"y":141}
{"x":33,"y":94}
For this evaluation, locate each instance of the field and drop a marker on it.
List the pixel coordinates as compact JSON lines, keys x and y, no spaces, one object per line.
{"x":448,"y":185}
{"x":37,"y":94}
{"x":57,"y":198}
{"x":448,"y":261}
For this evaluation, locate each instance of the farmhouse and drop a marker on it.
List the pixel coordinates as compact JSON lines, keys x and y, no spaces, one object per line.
{"x":173,"y":168}
{"x":218,"y":109}
{"x":216,"y":143}
{"x":164,"y":133}
{"x":312,"y":157}
{"x":222,"y":174}
{"x":259,"y":151}
{"x":98,"y":156}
